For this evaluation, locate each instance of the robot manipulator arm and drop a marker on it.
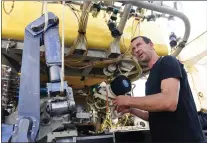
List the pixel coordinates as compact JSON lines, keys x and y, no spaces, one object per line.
{"x":29,"y":93}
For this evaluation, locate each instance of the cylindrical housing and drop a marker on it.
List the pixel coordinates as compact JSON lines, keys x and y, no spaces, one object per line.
{"x":57,"y":107}
{"x":54,"y":73}
{"x":173,"y":40}
{"x":120,"y":85}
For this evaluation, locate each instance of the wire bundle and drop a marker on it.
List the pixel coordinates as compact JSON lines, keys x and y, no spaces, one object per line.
{"x":81,"y":39}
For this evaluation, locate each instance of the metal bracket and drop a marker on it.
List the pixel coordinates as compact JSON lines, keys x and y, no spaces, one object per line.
{"x":70,"y":135}
{"x":25,"y":130}
{"x":55,"y":87}
{"x":37,"y":27}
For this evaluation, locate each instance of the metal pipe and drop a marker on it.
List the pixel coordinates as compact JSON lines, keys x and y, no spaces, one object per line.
{"x":102,"y":8}
{"x":114,"y":47}
{"x":169,"y":11}
{"x":124,"y":18}
{"x":55,"y":73}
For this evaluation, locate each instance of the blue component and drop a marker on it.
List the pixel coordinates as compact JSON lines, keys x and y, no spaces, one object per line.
{"x":120,"y":85}
{"x":6,"y":131}
{"x":42,"y":91}
{"x":27,"y":124}
{"x":40,"y":23}
{"x":52,"y":44}
{"x":29,"y":91}
{"x":54,"y":87}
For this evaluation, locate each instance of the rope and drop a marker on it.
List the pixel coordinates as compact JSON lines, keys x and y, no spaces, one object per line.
{"x":46,"y":15}
{"x":62,"y":72}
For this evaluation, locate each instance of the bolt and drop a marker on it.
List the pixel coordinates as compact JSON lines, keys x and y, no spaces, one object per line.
{"x":33,"y":126}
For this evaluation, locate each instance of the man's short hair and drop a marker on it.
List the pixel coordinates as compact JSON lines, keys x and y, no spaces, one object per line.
{"x":145,"y":39}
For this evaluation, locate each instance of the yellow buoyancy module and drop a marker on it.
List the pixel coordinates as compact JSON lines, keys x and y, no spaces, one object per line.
{"x":98,"y":34}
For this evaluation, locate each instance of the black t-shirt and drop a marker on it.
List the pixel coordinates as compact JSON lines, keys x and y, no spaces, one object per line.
{"x":183,"y":124}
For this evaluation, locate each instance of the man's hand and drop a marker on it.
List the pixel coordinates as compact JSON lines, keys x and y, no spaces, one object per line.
{"x":139,"y":113}
{"x":123,"y":109}
{"x":122,"y":100}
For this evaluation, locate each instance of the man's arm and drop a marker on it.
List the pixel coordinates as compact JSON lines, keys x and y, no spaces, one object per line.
{"x":140,"y":113}
{"x":165,"y":101}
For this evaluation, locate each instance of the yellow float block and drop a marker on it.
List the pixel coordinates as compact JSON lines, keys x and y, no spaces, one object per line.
{"x":98,"y":34}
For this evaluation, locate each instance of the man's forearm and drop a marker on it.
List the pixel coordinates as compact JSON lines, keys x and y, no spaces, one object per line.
{"x":152,"y":103}
{"x":139,"y":113}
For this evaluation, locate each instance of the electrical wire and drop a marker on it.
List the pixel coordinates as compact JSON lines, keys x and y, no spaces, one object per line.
{"x":12,"y":7}
{"x":73,"y":10}
{"x":132,"y":29}
{"x":133,"y":89}
{"x":81,"y":35}
{"x":98,"y":107}
{"x":127,"y":117}
{"x":139,"y":69}
{"x":138,"y":23}
{"x":107,"y":102}
{"x":89,"y":64}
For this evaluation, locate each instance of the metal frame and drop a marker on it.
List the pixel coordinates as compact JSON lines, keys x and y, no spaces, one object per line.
{"x":92,"y":55}
{"x":72,"y":134}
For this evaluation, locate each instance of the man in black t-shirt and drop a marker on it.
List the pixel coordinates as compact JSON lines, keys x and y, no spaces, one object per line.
{"x":168,"y":105}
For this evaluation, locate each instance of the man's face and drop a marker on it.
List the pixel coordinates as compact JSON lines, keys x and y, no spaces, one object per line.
{"x":141,"y":50}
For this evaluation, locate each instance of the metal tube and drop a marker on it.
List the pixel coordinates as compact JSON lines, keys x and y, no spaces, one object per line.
{"x":170,"y":11}
{"x":124,"y":18}
{"x":54,"y":73}
{"x":102,"y":8}
{"x":57,"y":108}
{"x":114,"y":47}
